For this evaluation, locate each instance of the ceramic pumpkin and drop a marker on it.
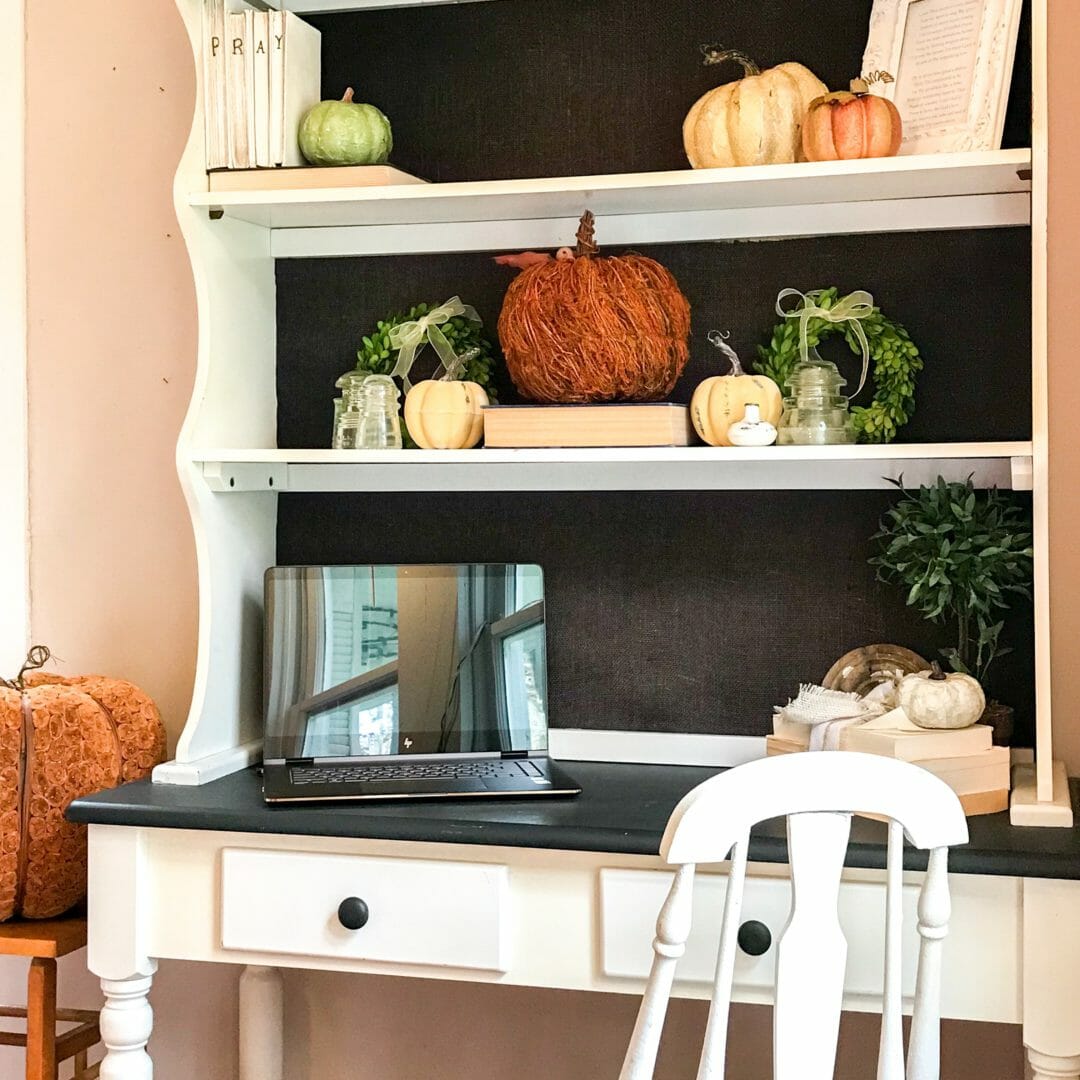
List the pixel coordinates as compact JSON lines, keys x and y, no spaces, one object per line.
{"x":61,"y":739}
{"x":844,"y":126}
{"x":721,"y":401}
{"x":345,"y":132}
{"x":445,"y":415}
{"x":754,"y":121}
{"x":933,"y":699}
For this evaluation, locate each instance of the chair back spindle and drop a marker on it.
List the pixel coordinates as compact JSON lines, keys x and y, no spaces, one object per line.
{"x":817,"y":794}
{"x":812,"y":951}
{"x":714,"y":1052}
{"x":891,"y":1046}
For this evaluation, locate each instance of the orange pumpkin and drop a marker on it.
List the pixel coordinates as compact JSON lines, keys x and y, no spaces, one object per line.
{"x":590,"y":327}
{"x":61,"y":739}
{"x":844,"y":126}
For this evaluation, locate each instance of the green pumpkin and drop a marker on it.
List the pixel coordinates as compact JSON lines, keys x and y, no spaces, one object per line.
{"x":345,"y":133}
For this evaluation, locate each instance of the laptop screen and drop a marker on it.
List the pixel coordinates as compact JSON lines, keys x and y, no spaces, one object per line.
{"x":404,"y":660}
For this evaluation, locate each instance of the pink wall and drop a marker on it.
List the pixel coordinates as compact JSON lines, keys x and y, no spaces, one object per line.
{"x":112,"y":345}
{"x":111,"y":342}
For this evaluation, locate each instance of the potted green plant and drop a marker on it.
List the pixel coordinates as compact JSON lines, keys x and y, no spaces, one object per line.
{"x":961,"y":555}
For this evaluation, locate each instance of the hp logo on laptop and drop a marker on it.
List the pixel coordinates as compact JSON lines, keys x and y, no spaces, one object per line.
{"x":408,"y":743}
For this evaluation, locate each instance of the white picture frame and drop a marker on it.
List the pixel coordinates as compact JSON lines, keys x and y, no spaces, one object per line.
{"x":951,"y":62}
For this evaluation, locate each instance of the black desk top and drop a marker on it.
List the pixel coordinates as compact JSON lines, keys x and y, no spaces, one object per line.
{"x":622,"y":809}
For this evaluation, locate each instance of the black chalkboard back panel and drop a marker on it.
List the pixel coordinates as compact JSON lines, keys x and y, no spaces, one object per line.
{"x":667,"y":611}
{"x":965,"y":296}
{"x":522,"y":88}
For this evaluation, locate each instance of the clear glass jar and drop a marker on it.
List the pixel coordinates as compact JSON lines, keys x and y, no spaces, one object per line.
{"x":339,"y":404}
{"x":815,"y":413}
{"x":380,"y":426}
{"x":347,"y":418}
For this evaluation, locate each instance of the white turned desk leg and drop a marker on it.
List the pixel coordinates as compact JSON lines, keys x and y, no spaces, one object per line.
{"x":1052,"y":978}
{"x":262,"y":1024}
{"x":126,"y":1023}
{"x":1046,"y":1067}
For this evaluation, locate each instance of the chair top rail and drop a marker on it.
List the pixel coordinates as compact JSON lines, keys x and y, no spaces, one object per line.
{"x":710,"y":819}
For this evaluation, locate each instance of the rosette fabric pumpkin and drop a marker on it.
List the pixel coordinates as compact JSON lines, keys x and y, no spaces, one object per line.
{"x":61,"y":739}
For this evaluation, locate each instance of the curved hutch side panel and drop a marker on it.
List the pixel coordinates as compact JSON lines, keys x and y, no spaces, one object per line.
{"x":233,"y":403}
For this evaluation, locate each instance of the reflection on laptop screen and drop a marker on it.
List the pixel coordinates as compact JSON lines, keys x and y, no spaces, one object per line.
{"x":383,"y":660}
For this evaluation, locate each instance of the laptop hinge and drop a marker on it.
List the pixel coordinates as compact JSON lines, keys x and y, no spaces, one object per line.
{"x":507,"y":754}
{"x":300,"y":761}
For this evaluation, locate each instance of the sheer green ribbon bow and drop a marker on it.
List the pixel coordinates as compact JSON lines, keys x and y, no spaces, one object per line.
{"x":852,"y":308}
{"x":410,"y":337}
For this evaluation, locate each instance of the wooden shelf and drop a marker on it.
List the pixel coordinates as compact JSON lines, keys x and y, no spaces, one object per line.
{"x":694,"y":468}
{"x":937,"y":191}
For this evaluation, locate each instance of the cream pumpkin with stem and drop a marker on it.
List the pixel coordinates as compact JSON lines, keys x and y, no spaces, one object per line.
{"x":445,"y":415}
{"x":932,"y":699}
{"x":721,"y":401}
{"x":756,"y":120}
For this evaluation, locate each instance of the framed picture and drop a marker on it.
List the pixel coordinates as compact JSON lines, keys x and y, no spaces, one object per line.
{"x":951,"y":62}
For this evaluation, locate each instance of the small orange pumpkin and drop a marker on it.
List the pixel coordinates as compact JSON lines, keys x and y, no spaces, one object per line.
{"x":61,"y":739}
{"x":844,"y":126}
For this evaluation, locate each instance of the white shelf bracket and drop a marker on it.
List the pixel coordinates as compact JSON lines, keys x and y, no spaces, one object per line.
{"x":1022,"y":473}
{"x":246,"y":476}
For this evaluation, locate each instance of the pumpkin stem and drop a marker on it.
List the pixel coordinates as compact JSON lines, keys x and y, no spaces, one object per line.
{"x":719,"y":339}
{"x":859,"y":86}
{"x":37,"y":657}
{"x":880,"y":76}
{"x":936,"y":673}
{"x":348,"y":95}
{"x":586,"y":245}
{"x":717,"y":54}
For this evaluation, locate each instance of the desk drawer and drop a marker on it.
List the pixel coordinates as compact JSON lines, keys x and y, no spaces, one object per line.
{"x":631,"y":900}
{"x":419,"y":911}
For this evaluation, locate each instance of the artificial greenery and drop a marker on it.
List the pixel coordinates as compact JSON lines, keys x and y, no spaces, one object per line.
{"x":895,"y":362}
{"x":377,"y":357}
{"x":961,"y":554}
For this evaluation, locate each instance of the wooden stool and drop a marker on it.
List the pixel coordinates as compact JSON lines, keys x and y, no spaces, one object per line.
{"x":43,"y":941}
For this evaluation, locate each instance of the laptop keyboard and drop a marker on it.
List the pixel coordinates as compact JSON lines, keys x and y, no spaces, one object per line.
{"x":420,"y":770}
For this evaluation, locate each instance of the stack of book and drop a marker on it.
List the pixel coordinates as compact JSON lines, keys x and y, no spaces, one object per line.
{"x":966,"y":760}
{"x":262,"y":73}
{"x":627,"y":424}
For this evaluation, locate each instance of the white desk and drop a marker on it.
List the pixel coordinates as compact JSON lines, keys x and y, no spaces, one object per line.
{"x":545,"y":893}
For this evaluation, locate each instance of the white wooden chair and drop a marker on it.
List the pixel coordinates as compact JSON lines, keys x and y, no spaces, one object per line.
{"x":817,"y":793}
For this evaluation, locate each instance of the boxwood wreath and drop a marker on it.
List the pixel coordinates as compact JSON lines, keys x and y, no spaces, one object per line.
{"x":377,"y":356}
{"x":895,"y":361}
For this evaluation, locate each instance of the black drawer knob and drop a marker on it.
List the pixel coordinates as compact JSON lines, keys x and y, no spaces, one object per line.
{"x":353,"y":913}
{"x":754,"y":938}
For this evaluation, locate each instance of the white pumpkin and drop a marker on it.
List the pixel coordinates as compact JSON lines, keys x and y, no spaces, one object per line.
{"x":933,"y":699}
{"x":757,"y":120}
{"x":445,"y":415}
{"x":722,"y":400}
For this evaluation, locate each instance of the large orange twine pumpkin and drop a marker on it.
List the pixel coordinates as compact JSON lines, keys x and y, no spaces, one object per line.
{"x":61,"y":739}
{"x":584,"y":327}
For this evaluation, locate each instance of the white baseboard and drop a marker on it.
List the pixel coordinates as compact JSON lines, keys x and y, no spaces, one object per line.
{"x":213,"y":767}
{"x":654,"y":747}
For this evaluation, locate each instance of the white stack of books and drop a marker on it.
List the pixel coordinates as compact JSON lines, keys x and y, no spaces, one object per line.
{"x":263,"y":72}
{"x":966,"y":760}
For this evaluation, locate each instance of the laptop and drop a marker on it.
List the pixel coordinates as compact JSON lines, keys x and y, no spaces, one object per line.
{"x":406,"y":682}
